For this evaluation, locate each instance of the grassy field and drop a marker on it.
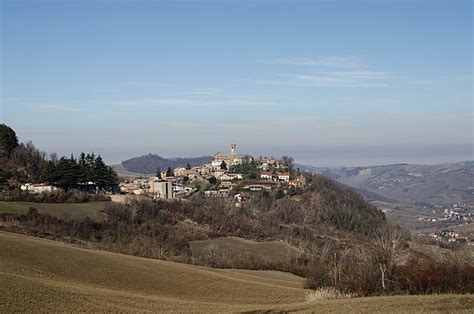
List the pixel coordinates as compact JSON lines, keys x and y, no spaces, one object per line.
{"x":60,"y":210}
{"x":47,"y":276}
{"x":275,"y":251}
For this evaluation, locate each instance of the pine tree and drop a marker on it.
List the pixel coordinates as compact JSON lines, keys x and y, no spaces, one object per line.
{"x":67,"y":172}
{"x":90,"y":164}
{"x":49,"y":173}
{"x":102,"y":174}
{"x":83,"y":169}
{"x":112,"y":178}
{"x":169,"y":172}
{"x":223,"y":165}
{"x":188,"y":166}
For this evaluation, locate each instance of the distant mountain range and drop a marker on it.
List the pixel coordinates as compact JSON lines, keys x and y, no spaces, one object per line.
{"x":441,"y":184}
{"x":148,"y":164}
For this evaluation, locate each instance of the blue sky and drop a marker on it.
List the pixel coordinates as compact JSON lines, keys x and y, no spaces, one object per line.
{"x":331,"y":83}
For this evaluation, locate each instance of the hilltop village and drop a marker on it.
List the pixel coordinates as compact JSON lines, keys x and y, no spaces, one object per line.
{"x":226,"y":175}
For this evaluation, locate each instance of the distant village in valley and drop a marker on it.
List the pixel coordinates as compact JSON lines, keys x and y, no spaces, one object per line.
{"x":226,"y":175}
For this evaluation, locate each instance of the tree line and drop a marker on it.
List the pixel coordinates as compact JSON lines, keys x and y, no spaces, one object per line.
{"x":23,"y":162}
{"x":84,"y":173}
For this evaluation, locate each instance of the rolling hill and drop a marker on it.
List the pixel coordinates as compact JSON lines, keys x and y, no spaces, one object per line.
{"x":411,"y":194}
{"x":55,"y":277}
{"x":442,"y":184}
{"x":148,"y":164}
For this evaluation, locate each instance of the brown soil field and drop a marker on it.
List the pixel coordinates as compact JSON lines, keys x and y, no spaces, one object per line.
{"x":38,"y":275}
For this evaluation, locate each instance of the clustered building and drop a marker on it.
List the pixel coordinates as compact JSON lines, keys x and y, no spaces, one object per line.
{"x":272,"y":174}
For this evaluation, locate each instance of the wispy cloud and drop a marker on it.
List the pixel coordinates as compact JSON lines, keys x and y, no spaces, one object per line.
{"x":193,"y":102}
{"x":230,"y":79}
{"x":330,"y":71}
{"x":54,"y":107}
{"x":322,"y":61}
{"x":105,"y":90}
{"x":207,"y":91}
{"x":345,"y":78}
{"x":145,"y":84}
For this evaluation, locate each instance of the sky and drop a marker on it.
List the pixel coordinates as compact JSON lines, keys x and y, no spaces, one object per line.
{"x":331,"y":83}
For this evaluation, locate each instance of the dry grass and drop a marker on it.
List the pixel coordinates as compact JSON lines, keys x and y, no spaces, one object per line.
{"x":275,"y":251}
{"x":60,"y":210}
{"x":327,"y":293}
{"x":47,"y":276}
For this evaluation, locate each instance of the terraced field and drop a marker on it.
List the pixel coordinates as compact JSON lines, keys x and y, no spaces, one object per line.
{"x":47,"y":276}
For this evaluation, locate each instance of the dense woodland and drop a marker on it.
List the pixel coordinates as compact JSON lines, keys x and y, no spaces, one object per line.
{"x":23,"y":162}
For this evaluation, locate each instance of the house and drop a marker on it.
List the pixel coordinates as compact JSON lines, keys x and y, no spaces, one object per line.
{"x":131,"y":188}
{"x":257,"y":187}
{"x":296,"y":183}
{"x":162,"y":189}
{"x":265,"y":163}
{"x":180,"y":172}
{"x":266,"y":175}
{"x":232,"y":176}
{"x":224,"y":192}
{"x":203,"y":170}
{"x":227,"y":184}
{"x":211,"y":193}
{"x":283,"y":176}
{"x":219,"y":174}
{"x":217,"y":193}
{"x":38,"y":187}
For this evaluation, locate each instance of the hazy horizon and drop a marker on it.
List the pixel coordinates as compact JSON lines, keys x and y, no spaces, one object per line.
{"x":331,"y":83}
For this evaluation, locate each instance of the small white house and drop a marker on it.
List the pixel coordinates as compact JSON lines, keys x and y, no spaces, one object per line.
{"x":38,"y":187}
{"x":283,"y":176}
{"x":232,"y":176}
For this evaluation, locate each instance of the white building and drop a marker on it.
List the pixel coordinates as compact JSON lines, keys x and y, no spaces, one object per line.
{"x":232,"y":176}
{"x":162,"y":189}
{"x":38,"y":187}
{"x":283,"y":176}
{"x":230,"y":160}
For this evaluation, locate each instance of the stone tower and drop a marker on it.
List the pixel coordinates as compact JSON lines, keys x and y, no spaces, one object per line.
{"x":233,"y":150}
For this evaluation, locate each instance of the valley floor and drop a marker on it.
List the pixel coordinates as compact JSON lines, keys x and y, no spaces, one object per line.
{"x":48,"y":276}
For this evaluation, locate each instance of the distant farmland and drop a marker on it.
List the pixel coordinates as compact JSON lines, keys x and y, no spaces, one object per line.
{"x":38,"y":274}
{"x":60,"y":210}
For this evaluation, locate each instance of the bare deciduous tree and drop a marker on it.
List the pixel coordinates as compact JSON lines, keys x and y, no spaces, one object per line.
{"x":385,"y":252}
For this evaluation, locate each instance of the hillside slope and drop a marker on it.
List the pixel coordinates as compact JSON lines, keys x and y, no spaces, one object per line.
{"x":52,"y":276}
{"x":148,"y":164}
{"x":436,"y":184}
